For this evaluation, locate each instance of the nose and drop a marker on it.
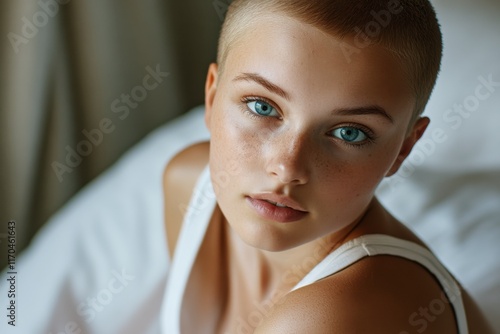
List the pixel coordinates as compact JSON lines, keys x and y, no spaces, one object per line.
{"x":288,"y":160}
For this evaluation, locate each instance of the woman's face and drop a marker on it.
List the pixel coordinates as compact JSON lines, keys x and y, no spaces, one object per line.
{"x":293,"y":121}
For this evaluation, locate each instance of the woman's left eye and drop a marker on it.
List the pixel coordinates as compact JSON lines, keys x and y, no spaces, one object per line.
{"x":350,"y":134}
{"x":262,"y":108}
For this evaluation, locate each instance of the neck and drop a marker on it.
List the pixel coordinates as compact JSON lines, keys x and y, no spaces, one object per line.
{"x":281,"y":271}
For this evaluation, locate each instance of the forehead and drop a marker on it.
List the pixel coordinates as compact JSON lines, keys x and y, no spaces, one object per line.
{"x":316,"y":66}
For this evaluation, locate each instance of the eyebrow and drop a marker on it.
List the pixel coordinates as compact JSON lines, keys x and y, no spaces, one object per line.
{"x":264,"y":83}
{"x":371,"y":110}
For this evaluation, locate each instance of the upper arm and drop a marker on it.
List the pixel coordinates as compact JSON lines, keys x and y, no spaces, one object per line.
{"x":476,"y":320}
{"x":179,"y":179}
{"x":369,"y":297}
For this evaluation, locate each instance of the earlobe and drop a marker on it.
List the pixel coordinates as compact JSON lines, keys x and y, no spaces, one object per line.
{"x":411,"y":139}
{"x":210,"y":90}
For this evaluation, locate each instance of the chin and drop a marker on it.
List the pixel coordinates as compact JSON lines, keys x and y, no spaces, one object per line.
{"x":265,"y":236}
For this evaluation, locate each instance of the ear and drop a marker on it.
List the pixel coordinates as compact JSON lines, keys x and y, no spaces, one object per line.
{"x":411,"y":139}
{"x":210,"y":90}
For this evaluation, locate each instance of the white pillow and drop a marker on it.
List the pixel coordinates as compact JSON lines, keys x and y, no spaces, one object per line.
{"x":100,"y":264}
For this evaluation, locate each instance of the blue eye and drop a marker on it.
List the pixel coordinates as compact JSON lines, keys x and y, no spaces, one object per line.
{"x":350,"y":134}
{"x":262,"y":108}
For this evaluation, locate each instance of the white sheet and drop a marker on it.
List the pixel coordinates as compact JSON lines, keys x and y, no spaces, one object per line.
{"x":115,"y":224}
{"x":113,"y":228}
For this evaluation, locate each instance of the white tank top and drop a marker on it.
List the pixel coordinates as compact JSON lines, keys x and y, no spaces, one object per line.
{"x":199,"y":214}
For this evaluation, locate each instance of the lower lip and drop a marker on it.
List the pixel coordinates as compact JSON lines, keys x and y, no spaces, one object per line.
{"x":272,"y":212}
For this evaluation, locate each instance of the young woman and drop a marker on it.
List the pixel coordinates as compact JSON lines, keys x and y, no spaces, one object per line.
{"x":273,"y":226}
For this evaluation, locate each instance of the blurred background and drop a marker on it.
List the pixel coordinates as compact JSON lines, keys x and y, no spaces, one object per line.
{"x":74,"y":71}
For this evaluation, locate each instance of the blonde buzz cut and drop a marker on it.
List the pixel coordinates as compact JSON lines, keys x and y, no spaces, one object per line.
{"x":408,"y":28}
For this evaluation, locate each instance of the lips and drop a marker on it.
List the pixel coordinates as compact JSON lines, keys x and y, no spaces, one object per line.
{"x":276,"y":208}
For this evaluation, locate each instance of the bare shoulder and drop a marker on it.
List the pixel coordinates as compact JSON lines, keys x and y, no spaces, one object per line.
{"x":379,"y":294}
{"x":179,"y":178}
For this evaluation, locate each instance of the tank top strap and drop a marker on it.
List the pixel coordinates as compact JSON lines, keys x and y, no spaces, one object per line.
{"x":379,"y":244}
{"x":197,"y":216}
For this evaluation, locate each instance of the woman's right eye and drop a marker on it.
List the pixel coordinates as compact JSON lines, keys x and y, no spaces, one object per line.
{"x":262,"y":108}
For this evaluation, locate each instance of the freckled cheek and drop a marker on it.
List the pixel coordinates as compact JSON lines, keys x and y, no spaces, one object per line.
{"x":233,"y":152}
{"x":234,"y":138}
{"x":349,"y":183}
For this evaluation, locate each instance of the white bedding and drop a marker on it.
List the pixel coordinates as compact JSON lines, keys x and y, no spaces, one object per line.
{"x":114,"y":228}
{"x":111,"y":228}
{"x":100,"y":264}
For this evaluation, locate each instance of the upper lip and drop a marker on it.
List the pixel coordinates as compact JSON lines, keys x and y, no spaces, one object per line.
{"x":275,"y":198}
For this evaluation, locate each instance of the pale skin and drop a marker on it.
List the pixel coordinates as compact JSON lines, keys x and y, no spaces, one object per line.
{"x":297,"y":150}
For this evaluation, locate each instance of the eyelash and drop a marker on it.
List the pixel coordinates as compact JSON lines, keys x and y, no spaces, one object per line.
{"x":250,"y":113}
{"x":370,"y":135}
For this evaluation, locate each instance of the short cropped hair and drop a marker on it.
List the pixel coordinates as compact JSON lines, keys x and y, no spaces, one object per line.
{"x":409,"y":28}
